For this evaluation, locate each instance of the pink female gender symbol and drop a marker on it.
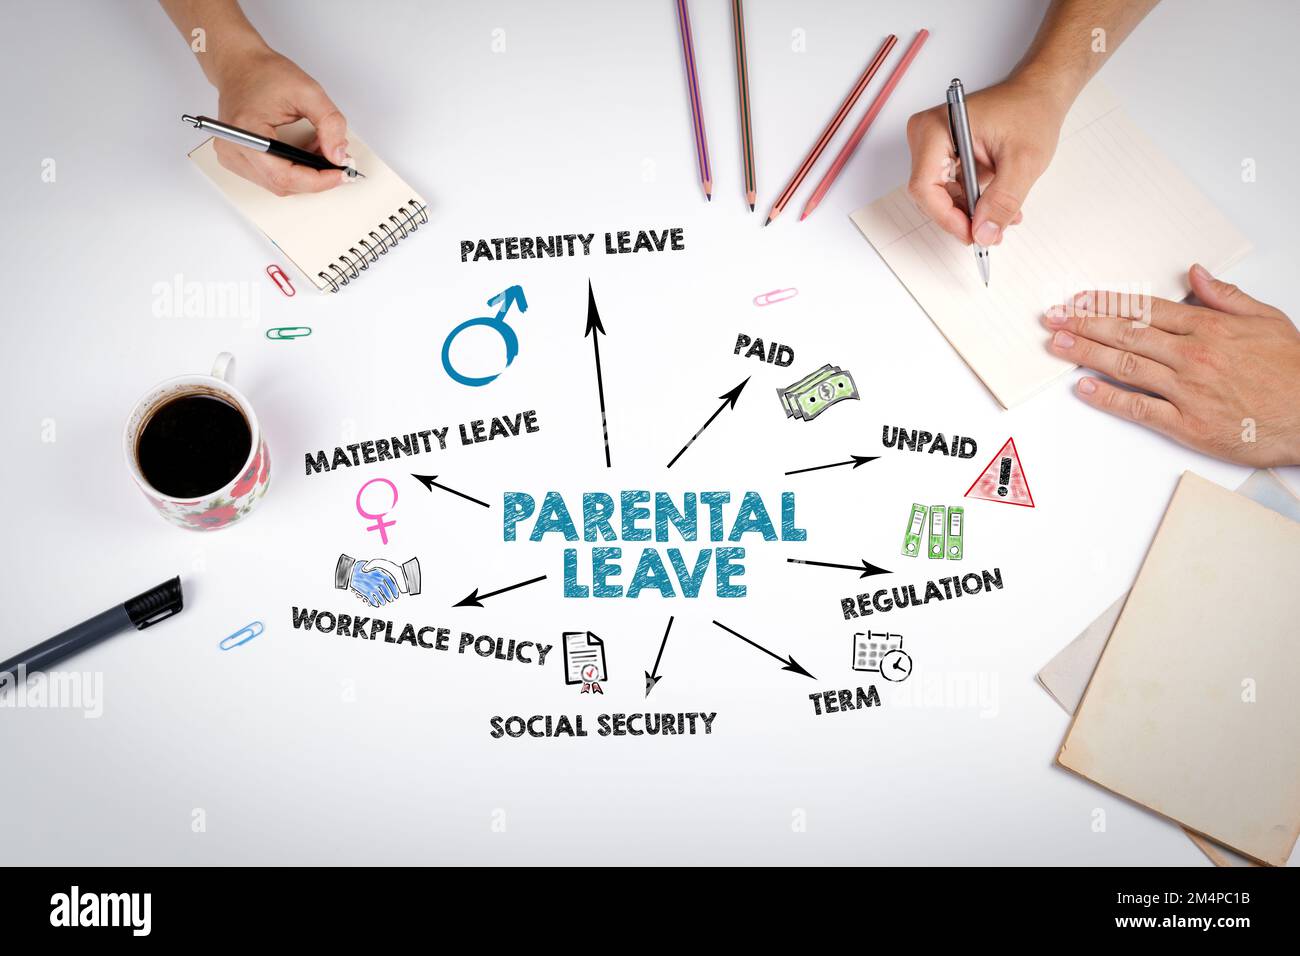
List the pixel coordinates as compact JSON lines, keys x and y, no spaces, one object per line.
{"x":380,"y":524}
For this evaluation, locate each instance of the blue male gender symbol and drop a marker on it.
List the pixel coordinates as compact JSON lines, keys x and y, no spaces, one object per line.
{"x":511,"y":296}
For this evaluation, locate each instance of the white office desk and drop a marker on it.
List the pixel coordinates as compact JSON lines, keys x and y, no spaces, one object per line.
{"x":304,"y":748}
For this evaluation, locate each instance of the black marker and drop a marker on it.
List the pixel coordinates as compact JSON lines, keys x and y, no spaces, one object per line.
{"x":263,"y":144}
{"x":139,"y":612}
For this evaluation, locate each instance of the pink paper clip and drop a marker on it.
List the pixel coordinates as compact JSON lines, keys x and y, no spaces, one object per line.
{"x":280,"y":279}
{"x":776,"y":295}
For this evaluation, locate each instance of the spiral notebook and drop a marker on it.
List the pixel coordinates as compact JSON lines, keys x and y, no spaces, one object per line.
{"x":334,"y":236}
{"x":1112,"y":212}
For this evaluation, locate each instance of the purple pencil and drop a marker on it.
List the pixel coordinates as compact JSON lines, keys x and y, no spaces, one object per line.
{"x":697,"y":108}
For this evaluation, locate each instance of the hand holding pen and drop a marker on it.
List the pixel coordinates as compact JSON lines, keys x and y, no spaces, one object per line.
{"x":268,"y":145}
{"x":259,"y":90}
{"x":271,"y":91}
{"x":1014,"y":130}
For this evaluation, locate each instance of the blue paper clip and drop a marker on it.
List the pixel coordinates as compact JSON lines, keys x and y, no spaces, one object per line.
{"x":244,"y":635}
{"x":289,"y":332}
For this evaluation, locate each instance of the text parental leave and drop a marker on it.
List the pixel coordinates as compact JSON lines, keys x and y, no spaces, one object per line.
{"x":645,"y":516}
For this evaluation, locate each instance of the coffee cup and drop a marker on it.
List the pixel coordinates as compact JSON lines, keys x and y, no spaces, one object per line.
{"x":195,"y":448}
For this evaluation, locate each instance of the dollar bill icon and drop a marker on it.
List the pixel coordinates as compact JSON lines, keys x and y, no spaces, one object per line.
{"x":787,"y":394}
{"x":813,"y":394}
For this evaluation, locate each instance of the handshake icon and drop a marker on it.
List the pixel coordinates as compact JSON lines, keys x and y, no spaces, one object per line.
{"x":378,"y":580}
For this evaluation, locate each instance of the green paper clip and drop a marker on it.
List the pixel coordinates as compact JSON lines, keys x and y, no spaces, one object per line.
{"x":289,"y":332}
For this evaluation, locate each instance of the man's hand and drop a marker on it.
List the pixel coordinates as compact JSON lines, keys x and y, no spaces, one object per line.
{"x":1223,"y":379}
{"x":260,"y":90}
{"x":1015,"y":126}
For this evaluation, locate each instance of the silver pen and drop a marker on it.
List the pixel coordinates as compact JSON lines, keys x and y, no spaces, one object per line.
{"x":959,"y":125}
{"x":264,"y":144}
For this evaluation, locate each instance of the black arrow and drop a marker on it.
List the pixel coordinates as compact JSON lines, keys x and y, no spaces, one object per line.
{"x":867,"y":569}
{"x":856,"y":461}
{"x":651,"y":677}
{"x":789,"y":663}
{"x":428,"y":482}
{"x":594,"y":326}
{"x":728,"y":398}
{"x":474,"y":598}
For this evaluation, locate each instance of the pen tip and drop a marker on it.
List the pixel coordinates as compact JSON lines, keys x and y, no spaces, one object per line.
{"x":709,"y":197}
{"x":751,"y":207}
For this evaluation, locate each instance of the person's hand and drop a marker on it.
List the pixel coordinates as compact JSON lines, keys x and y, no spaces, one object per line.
{"x":1223,"y":379}
{"x":260,"y":90}
{"x":1014,"y":126}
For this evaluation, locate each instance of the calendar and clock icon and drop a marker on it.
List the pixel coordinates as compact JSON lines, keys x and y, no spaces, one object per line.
{"x":881,"y":654}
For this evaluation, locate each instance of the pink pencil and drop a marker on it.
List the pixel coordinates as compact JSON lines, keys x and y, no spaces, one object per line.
{"x":872,"y":112}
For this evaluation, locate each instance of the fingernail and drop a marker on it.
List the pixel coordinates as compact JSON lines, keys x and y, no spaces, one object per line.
{"x":1063,"y":340}
{"x":345,"y":178}
{"x":1055,"y":315}
{"x":987,"y":233}
{"x":1087,"y":386}
{"x":341,"y":155}
{"x":1201,"y":272}
{"x":1083,"y":301}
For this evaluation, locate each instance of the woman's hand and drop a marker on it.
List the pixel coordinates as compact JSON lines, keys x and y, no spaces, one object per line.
{"x":260,"y":90}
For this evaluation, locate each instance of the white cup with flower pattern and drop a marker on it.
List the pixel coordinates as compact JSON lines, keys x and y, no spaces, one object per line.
{"x":212,"y":454}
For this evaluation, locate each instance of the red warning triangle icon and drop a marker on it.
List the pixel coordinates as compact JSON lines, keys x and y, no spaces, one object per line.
{"x":1003,"y":479}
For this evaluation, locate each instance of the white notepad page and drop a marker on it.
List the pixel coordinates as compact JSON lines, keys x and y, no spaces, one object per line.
{"x":1111,"y":212}
{"x":353,"y":221}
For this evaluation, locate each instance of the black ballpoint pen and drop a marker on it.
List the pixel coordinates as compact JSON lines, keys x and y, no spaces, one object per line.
{"x":263,"y":144}
{"x":139,"y":612}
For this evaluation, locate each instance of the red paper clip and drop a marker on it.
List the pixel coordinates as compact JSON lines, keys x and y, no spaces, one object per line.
{"x":280,"y":279}
{"x":775,"y":296}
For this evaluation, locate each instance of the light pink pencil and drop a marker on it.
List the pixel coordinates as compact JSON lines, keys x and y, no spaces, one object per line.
{"x":872,"y":112}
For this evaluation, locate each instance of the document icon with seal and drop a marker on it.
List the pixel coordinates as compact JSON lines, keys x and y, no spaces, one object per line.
{"x":584,"y":658}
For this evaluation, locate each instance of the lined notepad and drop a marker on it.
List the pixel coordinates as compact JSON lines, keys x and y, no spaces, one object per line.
{"x":334,"y":236}
{"x":1112,"y":212}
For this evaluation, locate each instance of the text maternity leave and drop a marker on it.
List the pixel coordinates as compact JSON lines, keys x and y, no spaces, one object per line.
{"x":629,"y":517}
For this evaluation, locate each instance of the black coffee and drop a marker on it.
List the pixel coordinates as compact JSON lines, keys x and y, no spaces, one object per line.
{"x":193,"y":445}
